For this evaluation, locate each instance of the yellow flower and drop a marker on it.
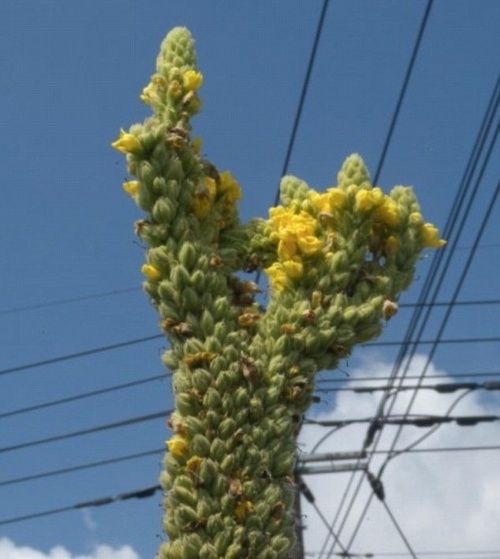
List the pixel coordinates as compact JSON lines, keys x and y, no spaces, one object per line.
{"x":229,"y":188}
{"x":151,"y":272}
{"x":149,"y":95}
{"x":193,"y":465}
{"x":293,"y":268}
{"x":320,"y":201}
{"x":204,"y":196}
{"x":309,"y":245}
{"x":388,"y":213}
{"x":177,"y":446}
{"x":287,"y":247}
{"x":277,"y":276}
{"x":132,"y":187}
{"x":328,"y":201}
{"x":430,"y":236}
{"x":336,"y":197}
{"x":415,"y":219}
{"x":201,"y":357}
{"x":159,"y":81}
{"x":391,"y":244}
{"x":366,"y":200}
{"x":280,"y":216}
{"x":127,"y":143}
{"x":241,"y":510}
{"x":192,"y":80}
{"x":248,"y":319}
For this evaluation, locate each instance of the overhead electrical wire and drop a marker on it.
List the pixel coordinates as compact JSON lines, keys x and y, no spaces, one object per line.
{"x":83,"y":395}
{"x":78,"y":354}
{"x":392,"y":455}
{"x":403,"y":351}
{"x":475,"y":155}
{"x":320,"y":382}
{"x":365,"y":509}
{"x":159,"y":451}
{"x":79,"y":467}
{"x":402,"y":93}
{"x":119,"y":345}
{"x":303,"y":94}
{"x":104,"y":294}
{"x":89,"y":431}
{"x":300,"y":105}
{"x":58,"y":302}
{"x":457,"y":289}
{"x":412,"y":377}
{"x":138,"y":494}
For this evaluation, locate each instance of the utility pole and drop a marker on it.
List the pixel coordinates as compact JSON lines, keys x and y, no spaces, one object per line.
{"x":304,"y":467}
{"x":297,"y":551}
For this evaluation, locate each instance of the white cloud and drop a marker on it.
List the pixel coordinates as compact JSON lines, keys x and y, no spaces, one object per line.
{"x":9,"y":550}
{"x":443,"y":501}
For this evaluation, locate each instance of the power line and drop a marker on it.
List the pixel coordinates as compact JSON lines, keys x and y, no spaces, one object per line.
{"x":305,"y":87}
{"x":436,"y":304}
{"x":439,"y":387}
{"x":447,"y":315}
{"x":119,"y":345}
{"x":158,"y":451}
{"x":424,"y":421}
{"x":409,"y":377}
{"x":402,"y":93}
{"x":465,"y":270}
{"x":80,"y":467}
{"x":452,"y":221}
{"x":79,"y":354}
{"x":418,"y":342}
{"x":300,"y":106}
{"x":492,"y":554}
{"x":138,"y":494}
{"x":83,"y":395}
{"x":442,"y":388}
{"x":412,"y":327}
{"x":91,"y":430}
{"x":77,"y":299}
{"x":104,"y":294}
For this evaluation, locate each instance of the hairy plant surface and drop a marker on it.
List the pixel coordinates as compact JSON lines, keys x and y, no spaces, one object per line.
{"x":243,"y":371}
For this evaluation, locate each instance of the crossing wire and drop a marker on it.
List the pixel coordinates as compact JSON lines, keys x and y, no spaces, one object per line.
{"x":79,"y":354}
{"x":89,"y":431}
{"x":473,"y":161}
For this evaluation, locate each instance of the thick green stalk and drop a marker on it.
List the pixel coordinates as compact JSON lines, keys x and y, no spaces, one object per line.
{"x":243,"y":373}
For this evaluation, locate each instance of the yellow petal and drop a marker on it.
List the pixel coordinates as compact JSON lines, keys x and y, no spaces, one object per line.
{"x":309,"y":245}
{"x":277,"y":276}
{"x":132,"y":187}
{"x":127,"y":143}
{"x":430,"y":236}
{"x":177,"y":446}
{"x":192,"y":80}
{"x":151,"y":272}
{"x":293,"y":268}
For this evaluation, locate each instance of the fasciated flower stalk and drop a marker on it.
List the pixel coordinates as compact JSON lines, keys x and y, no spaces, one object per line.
{"x":244,"y":363}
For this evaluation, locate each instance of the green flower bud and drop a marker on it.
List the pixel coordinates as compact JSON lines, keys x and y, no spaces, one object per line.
{"x":185,"y":517}
{"x":200,"y":446}
{"x":188,"y":256}
{"x":183,"y":495}
{"x":192,"y":546}
{"x":229,"y":465}
{"x":218,"y":450}
{"x":208,"y":551}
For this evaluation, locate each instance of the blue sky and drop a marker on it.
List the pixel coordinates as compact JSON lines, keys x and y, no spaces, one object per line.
{"x":71,"y":74}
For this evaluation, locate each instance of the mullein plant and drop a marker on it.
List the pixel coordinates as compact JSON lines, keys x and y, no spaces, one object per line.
{"x":243,"y":371}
